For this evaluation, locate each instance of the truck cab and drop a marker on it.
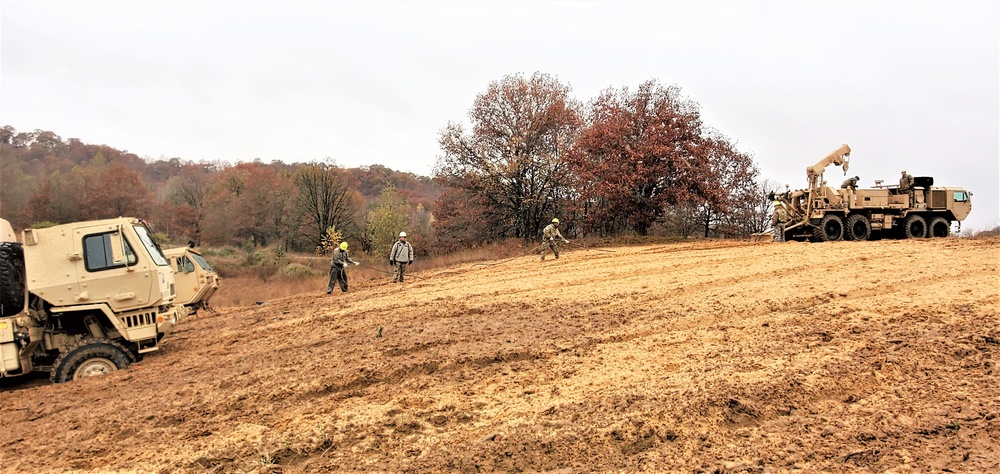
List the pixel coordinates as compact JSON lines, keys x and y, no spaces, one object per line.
{"x":100,"y":294}
{"x":195,"y":279}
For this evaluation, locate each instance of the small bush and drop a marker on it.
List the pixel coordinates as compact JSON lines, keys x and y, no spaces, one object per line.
{"x":297,"y":270}
{"x":994,"y":232}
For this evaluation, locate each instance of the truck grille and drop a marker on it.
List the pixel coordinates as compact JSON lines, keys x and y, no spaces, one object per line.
{"x":139,"y":319}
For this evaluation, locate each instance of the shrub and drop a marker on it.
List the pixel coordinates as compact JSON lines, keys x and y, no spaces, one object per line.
{"x":297,"y":270}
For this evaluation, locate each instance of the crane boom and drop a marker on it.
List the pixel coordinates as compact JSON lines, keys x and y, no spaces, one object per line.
{"x":840,"y":156}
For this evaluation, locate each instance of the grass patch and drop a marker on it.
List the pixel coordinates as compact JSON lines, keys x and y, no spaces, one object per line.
{"x":255,"y":275}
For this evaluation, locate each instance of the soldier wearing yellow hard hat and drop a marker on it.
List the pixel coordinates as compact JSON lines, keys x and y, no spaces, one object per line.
{"x":338,"y":268}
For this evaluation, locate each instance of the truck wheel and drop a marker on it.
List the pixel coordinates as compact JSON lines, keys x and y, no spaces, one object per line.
{"x":915,"y":227}
{"x":90,"y":358}
{"x":858,"y":227}
{"x":12,"y":278}
{"x":940,"y":227}
{"x":830,"y":229}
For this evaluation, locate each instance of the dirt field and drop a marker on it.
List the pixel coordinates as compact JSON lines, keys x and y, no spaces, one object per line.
{"x":712,"y":356}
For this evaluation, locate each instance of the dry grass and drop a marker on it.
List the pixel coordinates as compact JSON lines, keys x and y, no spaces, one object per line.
{"x":267,"y":276}
{"x":249,"y":288}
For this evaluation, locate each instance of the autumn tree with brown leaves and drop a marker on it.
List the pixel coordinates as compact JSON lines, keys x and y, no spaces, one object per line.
{"x":732,"y":190}
{"x":248,"y":202}
{"x":117,"y":192}
{"x":513,"y":161}
{"x":640,"y":152}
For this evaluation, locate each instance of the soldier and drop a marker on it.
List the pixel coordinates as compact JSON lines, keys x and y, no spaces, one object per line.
{"x":848,"y":186}
{"x":850,"y":183}
{"x":338,"y":268}
{"x":549,"y":235}
{"x":779,"y":218}
{"x":906,"y":185}
{"x":400,"y":256}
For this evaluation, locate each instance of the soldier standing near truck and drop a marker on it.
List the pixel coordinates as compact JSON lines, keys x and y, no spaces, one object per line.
{"x":906,"y":185}
{"x":338,"y":268}
{"x":779,"y":218}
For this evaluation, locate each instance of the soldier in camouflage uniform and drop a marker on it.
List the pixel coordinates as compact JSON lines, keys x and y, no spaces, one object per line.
{"x":906,"y":185}
{"x":779,"y":218}
{"x":850,"y":183}
{"x":849,"y":186}
{"x":549,"y":235}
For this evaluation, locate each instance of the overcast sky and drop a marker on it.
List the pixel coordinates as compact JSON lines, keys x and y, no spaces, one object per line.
{"x":907,"y":84}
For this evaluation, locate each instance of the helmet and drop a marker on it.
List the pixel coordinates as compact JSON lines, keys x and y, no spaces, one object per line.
{"x":343,"y":246}
{"x":555,"y":221}
{"x":402,"y":234}
{"x":904,"y":171}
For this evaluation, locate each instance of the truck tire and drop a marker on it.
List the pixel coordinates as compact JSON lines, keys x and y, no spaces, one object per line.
{"x":914,"y":227}
{"x":857,"y":227}
{"x":12,"y":278}
{"x":90,"y":358}
{"x":939,"y":227}
{"x":830,"y":229}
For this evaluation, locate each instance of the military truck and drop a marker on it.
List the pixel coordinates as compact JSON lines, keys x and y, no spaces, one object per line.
{"x":96,"y":295}
{"x":821,"y":213}
{"x":194,"y":278}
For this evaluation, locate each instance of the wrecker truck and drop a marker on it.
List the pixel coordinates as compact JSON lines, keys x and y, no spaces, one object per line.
{"x":821,"y":213}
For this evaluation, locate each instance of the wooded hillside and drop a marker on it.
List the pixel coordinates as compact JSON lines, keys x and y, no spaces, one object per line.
{"x":629,"y":162}
{"x":48,"y":179}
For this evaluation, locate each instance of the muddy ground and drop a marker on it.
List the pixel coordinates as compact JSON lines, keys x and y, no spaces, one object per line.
{"x":694,"y":357}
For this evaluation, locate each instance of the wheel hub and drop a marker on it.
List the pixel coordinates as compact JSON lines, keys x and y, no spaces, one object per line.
{"x":95,"y":367}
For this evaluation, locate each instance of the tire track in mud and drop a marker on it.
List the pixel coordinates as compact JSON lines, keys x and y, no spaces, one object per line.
{"x":766,"y":356}
{"x":800,"y":304}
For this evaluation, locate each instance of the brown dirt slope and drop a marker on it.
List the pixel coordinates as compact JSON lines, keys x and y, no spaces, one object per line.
{"x":711,"y":356}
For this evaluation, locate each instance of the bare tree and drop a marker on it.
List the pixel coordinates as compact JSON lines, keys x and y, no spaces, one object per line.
{"x":325,"y":200}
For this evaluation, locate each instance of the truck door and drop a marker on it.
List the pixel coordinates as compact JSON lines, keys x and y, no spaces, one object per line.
{"x":111,"y":270}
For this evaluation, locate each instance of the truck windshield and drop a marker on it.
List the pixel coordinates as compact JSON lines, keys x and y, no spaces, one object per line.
{"x":151,"y":247}
{"x":201,"y":261}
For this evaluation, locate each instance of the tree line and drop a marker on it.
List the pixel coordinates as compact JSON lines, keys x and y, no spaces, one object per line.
{"x":629,"y":162}
{"x":47,"y":180}
{"x":633,"y":162}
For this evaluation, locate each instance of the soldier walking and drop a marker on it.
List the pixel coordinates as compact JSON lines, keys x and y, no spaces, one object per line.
{"x":338,"y":268}
{"x":549,"y":235}
{"x":400,"y":256}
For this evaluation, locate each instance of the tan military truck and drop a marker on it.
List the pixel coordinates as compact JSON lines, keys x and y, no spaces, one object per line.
{"x":822,"y":213}
{"x":194,"y":278}
{"x":99,"y":294}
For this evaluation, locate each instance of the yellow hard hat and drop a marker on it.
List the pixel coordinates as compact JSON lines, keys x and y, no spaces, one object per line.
{"x":343,"y":245}
{"x":555,"y":221}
